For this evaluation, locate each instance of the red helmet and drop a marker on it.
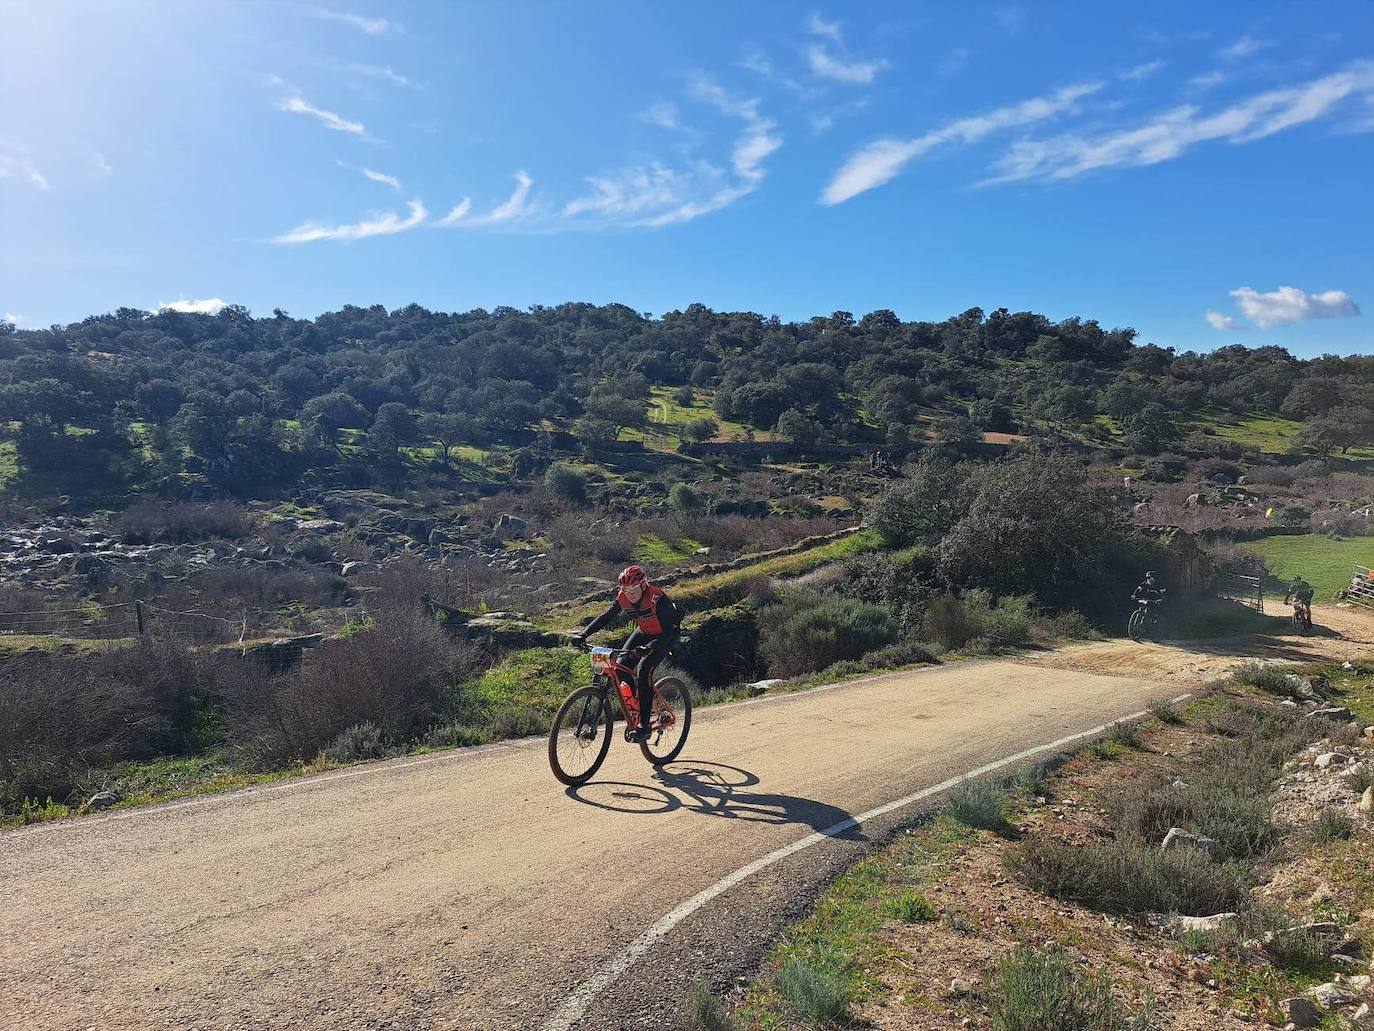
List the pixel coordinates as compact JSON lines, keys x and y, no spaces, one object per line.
{"x":632,"y":576}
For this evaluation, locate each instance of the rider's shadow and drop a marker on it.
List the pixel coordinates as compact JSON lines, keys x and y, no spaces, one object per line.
{"x":715,"y":789}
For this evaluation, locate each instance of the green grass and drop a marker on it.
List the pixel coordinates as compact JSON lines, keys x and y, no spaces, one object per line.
{"x":9,"y":462}
{"x":1266,"y":431}
{"x":1325,"y":563}
{"x":845,"y":929}
{"x":534,"y":680}
{"x":1221,"y":618}
{"x":654,"y":549}
{"x":13,"y":644}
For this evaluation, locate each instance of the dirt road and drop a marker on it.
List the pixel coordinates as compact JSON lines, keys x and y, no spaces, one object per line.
{"x":468,"y":890}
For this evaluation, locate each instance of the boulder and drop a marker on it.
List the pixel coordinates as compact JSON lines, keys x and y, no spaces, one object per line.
{"x":1179,"y":838}
{"x":1362,"y":1017}
{"x":1216,"y":922}
{"x":1301,"y":1012}
{"x":1332,"y":996}
{"x":320,"y":526}
{"x":100,"y":801}
{"x":762,"y":686}
{"x":1330,"y":712}
{"x":1329,"y":759}
{"x":1366,"y":802}
{"x":509,"y":526}
{"x":57,"y":545}
{"x":356,"y":568}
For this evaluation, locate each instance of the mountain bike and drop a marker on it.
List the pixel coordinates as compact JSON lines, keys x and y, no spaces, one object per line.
{"x":1145,"y":616}
{"x":1302,"y":617}
{"x":581,"y":734}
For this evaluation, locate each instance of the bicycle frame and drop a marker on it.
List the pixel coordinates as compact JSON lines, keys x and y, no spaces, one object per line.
{"x":609,"y":671}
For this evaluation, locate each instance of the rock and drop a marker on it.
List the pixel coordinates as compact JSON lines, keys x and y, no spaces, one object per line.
{"x":763,"y":686}
{"x":1301,"y":1012}
{"x":1358,"y":983}
{"x":509,"y":526}
{"x":1329,"y":712}
{"x":1205,"y":923}
{"x":1366,"y":803}
{"x":100,"y":801}
{"x":1362,"y":1017}
{"x":1332,"y":996}
{"x":321,"y":526}
{"x":1179,"y":838}
{"x":1369,"y":733}
{"x":1180,"y":784}
{"x":960,"y":988}
{"x":356,"y":568}
{"x":57,"y":545}
{"x":1328,"y":759}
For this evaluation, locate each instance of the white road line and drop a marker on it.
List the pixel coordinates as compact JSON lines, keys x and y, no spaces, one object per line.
{"x":581,"y":1000}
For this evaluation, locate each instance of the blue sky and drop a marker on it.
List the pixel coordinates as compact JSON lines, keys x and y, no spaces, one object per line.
{"x":1199,"y":171}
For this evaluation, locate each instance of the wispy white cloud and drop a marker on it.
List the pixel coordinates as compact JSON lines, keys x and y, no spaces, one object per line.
{"x":1219,"y":321}
{"x":11,"y":318}
{"x":878,"y":162}
{"x":1172,"y":133}
{"x":818,"y":26}
{"x":380,"y":224}
{"x":516,"y":208}
{"x":383,"y":73}
{"x":372,"y":26}
{"x":1246,"y":46}
{"x":1288,"y":304}
{"x":661,"y":194}
{"x":457,"y":213}
{"x":204,"y":306}
{"x":382,"y":177}
{"x":15,"y":166}
{"x":298,"y":105}
{"x":827,"y":66}
{"x":663,"y":114}
{"x":1141,"y":71}
{"x":1207,"y":80}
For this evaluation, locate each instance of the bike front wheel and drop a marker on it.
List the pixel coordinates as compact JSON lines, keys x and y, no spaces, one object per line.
{"x":1136,"y":626}
{"x":581,"y":736}
{"x":672,"y":719}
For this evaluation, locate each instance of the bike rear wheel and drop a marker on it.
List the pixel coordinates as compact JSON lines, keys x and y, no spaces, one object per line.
{"x":671,"y":721}
{"x":581,"y":736}
{"x":1136,"y":626}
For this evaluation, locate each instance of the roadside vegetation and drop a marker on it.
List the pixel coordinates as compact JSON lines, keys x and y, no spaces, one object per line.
{"x":1050,"y":898}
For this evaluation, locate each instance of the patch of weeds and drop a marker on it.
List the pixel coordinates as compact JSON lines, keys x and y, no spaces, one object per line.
{"x":816,"y":986}
{"x":1238,"y":819}
{"x":1126,"y":735}
{"x":1167,"y":713}
{"x":513,"y":721}
{"x":706,"y":1012}
{"x":910,"y":907}
{"x":1361,"y":779}
{"x":360,"y":741}
{"x":31,"y":810}
{"x":1128,"y":875}
{"x":456,"y":735}
{"x":1332,"y":826}
{"x":980,"y":804}
{"x":1035,"y":989}
{"x":1267,"y":677}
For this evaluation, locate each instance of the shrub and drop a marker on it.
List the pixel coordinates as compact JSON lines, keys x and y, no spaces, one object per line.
{"x":684,"y":501}
{"x":455,"y":735}
{"x":182,"y":523}
{"x":816,"y":986}
{"x":980,"y":804}
{"x":1332,"y":826}
{"x":1039,"y":989}
{"x":1128,"y":875}
{"x":1127,"y":735}
{"x":808,"y":631}
{"x":1362,"y":778}
{"x":1240,"y":821}
{"x":358,"y":742}
{"x":948,"y":622}
{"x":698,"y":431}
{"x":910,"y":907}
{"x":956,"y":621}
{"x":1267,"y":677}
{"x":566,"y":483}
{"x":705,"y":1010}
{"x":1167,"y":713}
{"x":516,"y":721}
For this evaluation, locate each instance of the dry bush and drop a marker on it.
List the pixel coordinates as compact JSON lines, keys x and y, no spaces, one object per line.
{"x":151,"y":522}
{"x":398,"y":675}
{"x":458,"y":583}
{"x":61,"y":716}
{"x":736,"y":535}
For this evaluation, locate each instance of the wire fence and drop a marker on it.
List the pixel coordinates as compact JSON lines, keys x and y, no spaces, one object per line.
{"x":99,"y":621}
{"x":1248,"y":590}
{"x":1360,"y":591}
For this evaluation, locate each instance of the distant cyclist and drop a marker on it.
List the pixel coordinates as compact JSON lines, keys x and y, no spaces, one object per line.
{"x":657,"y":626}
{"x":1300,"y":592}
{"x":1150,"y":591}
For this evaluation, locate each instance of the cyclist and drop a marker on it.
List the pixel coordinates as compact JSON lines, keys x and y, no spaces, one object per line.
{"x":1300,"y":591}
{"x":1151,"y":593}
{"x":657,"y":626}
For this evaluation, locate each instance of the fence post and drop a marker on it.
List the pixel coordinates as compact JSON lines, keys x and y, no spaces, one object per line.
{"x":138,"y":614}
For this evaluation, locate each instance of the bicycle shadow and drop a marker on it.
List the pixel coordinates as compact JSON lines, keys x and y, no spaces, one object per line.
{"x":716,"y":789}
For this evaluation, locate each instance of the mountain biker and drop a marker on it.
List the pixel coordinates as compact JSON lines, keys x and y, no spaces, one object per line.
{"x":1300,"y":591}
{"x":658,"y":625}
{"x":1149,"y":591}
